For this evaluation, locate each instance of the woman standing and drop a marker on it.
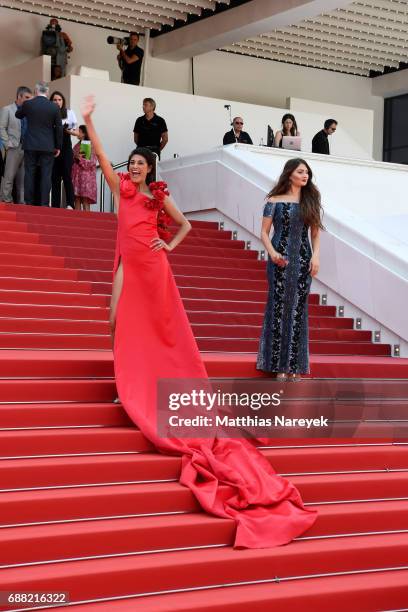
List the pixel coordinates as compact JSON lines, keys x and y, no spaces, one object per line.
{"x":63,"y":163}
{"x":153,"y":340}
{"x":289,"y":128}
{"x":292,"y":208}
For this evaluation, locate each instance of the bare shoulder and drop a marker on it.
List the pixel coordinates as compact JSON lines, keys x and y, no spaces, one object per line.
{"x":274,"y":198}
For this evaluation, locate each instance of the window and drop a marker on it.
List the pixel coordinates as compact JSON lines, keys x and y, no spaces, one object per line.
{"x":395,"y":147}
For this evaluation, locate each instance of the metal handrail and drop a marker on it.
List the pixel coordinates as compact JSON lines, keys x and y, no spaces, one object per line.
{"x":103,"y":184}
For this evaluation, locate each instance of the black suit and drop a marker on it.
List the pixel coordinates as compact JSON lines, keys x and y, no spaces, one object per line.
{"x":320,"y":143}
{"x":43,"y":135}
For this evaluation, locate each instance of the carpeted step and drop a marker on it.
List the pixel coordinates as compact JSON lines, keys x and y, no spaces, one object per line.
{"x":25,"y":340}
{"x":245,"y":306}
{"x":48,"y":298}
{"x":250,"y":331}
{"x":58,"y":471}
{"x":55,"y":341}
{"x":25,"y":259}
{"x":214,"y":241}
{"x":363,"y":592}
{"x":55,"y":311}
{"x":78,"y":439}
{"x":48,"y":285}
{"x":316,"y":347}
{"x":16,"y":236}
{"x":164,"y":571}
{"x":236,"y":318}
{"x":55,"y":390}
{"x":26,"y":248}
{"x":120,"y":536}
{"x":17,"y":363}
{"x":25,"y":271}
{"x":217,"y":270}
{"x":53,"y":326}
{"x":63,"y":415}
{"x":67,"y":326}
{"x":53,"y":212}
{"x":95,"y":501}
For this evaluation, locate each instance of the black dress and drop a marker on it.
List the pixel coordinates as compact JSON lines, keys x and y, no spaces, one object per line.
{"x":283,"y":345}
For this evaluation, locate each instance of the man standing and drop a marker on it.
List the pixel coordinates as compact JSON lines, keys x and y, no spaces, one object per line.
{"x":130,"y":60}
{"x":57,"y":44}
{"x":236,"y":134}
{"x":150,"y":130}
{"x":320,"y":142}
{"x":42,"y":142}
{"x":12,"y":133}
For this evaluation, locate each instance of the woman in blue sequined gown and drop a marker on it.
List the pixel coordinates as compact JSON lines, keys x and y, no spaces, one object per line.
{"x":293,"y":208}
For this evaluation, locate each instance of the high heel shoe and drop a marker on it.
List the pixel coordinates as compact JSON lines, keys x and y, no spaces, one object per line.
{"x":294,"y":378}
{"x":281,"y":377}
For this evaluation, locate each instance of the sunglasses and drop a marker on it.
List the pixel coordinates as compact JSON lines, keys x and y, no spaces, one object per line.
{"x":239,"y":122}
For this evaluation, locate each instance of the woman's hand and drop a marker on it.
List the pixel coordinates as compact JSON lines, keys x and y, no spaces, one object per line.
{"x":279,"y":259}
{"x":88,"y":107}
{"x":157,"y":244}
{"x":314,"y":265}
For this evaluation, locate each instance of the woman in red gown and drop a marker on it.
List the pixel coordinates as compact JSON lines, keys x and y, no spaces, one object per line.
{"x":153,"y":340}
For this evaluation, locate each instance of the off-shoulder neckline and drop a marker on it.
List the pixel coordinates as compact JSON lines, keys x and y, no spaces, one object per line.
{"x":283,"y":202}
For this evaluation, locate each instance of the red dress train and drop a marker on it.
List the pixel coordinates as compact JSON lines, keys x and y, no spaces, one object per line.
{"x":153,"y":340}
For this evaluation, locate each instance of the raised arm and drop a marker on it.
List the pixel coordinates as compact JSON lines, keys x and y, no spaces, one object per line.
{"x":111,"y":177}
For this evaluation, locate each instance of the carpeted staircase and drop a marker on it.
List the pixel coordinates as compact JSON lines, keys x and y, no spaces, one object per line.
{"x":86,"y":504}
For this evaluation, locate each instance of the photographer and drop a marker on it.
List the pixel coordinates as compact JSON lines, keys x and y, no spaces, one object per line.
{"x":57,"y":44}
{"x":130,"y":60}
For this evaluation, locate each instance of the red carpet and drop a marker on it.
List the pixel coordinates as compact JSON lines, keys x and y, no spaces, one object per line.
{"x":82,"y":489}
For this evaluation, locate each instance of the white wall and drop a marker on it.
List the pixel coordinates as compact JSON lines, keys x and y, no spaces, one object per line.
{"x":216,"y":74}
{"x":236,"y":77}
{"x":393,"y":84}
{"x":359,"y":121}
{"x":195,"y":123}
{"x":37,"y":69}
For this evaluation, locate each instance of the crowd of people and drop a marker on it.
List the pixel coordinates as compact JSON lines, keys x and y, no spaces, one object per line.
{"x":35,"y":132}
{"x":287,"y":137}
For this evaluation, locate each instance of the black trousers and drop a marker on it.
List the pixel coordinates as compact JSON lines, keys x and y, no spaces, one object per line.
{"x":44,"y":160}
{"x":62,"y":172}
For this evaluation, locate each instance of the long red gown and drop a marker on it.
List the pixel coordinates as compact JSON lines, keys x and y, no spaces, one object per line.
{"x":153,"y":340}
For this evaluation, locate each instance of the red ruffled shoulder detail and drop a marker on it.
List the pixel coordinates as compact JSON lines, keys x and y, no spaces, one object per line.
{"x":126,"y":187}
{"x":160,"y":192}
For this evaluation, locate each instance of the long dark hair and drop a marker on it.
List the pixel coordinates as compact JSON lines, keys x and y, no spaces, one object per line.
{"x":310,"y":199}
{"x":294,"y":128}
{"x":64,"y":110}
{"x":150,"y":160}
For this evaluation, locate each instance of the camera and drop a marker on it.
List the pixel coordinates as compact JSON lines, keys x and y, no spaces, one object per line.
{"x":114,"y":40}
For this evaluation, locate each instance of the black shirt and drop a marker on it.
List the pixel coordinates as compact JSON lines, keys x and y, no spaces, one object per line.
{"x":320,"y":143}
{"x":131,"y":72}
{"x":149,"y":131}
{"x":230,"y":138}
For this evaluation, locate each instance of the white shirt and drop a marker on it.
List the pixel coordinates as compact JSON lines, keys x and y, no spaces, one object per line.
{"x":70,"y":121}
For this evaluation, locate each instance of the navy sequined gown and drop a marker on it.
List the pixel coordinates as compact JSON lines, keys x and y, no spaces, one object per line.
{"x":283,"y":345}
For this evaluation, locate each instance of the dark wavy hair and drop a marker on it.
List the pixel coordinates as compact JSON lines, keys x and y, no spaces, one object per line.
{"x":64,"y":110}
{"x":310,"y":199}
{"x":150,"y":160}
{"x":294,"y":128}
